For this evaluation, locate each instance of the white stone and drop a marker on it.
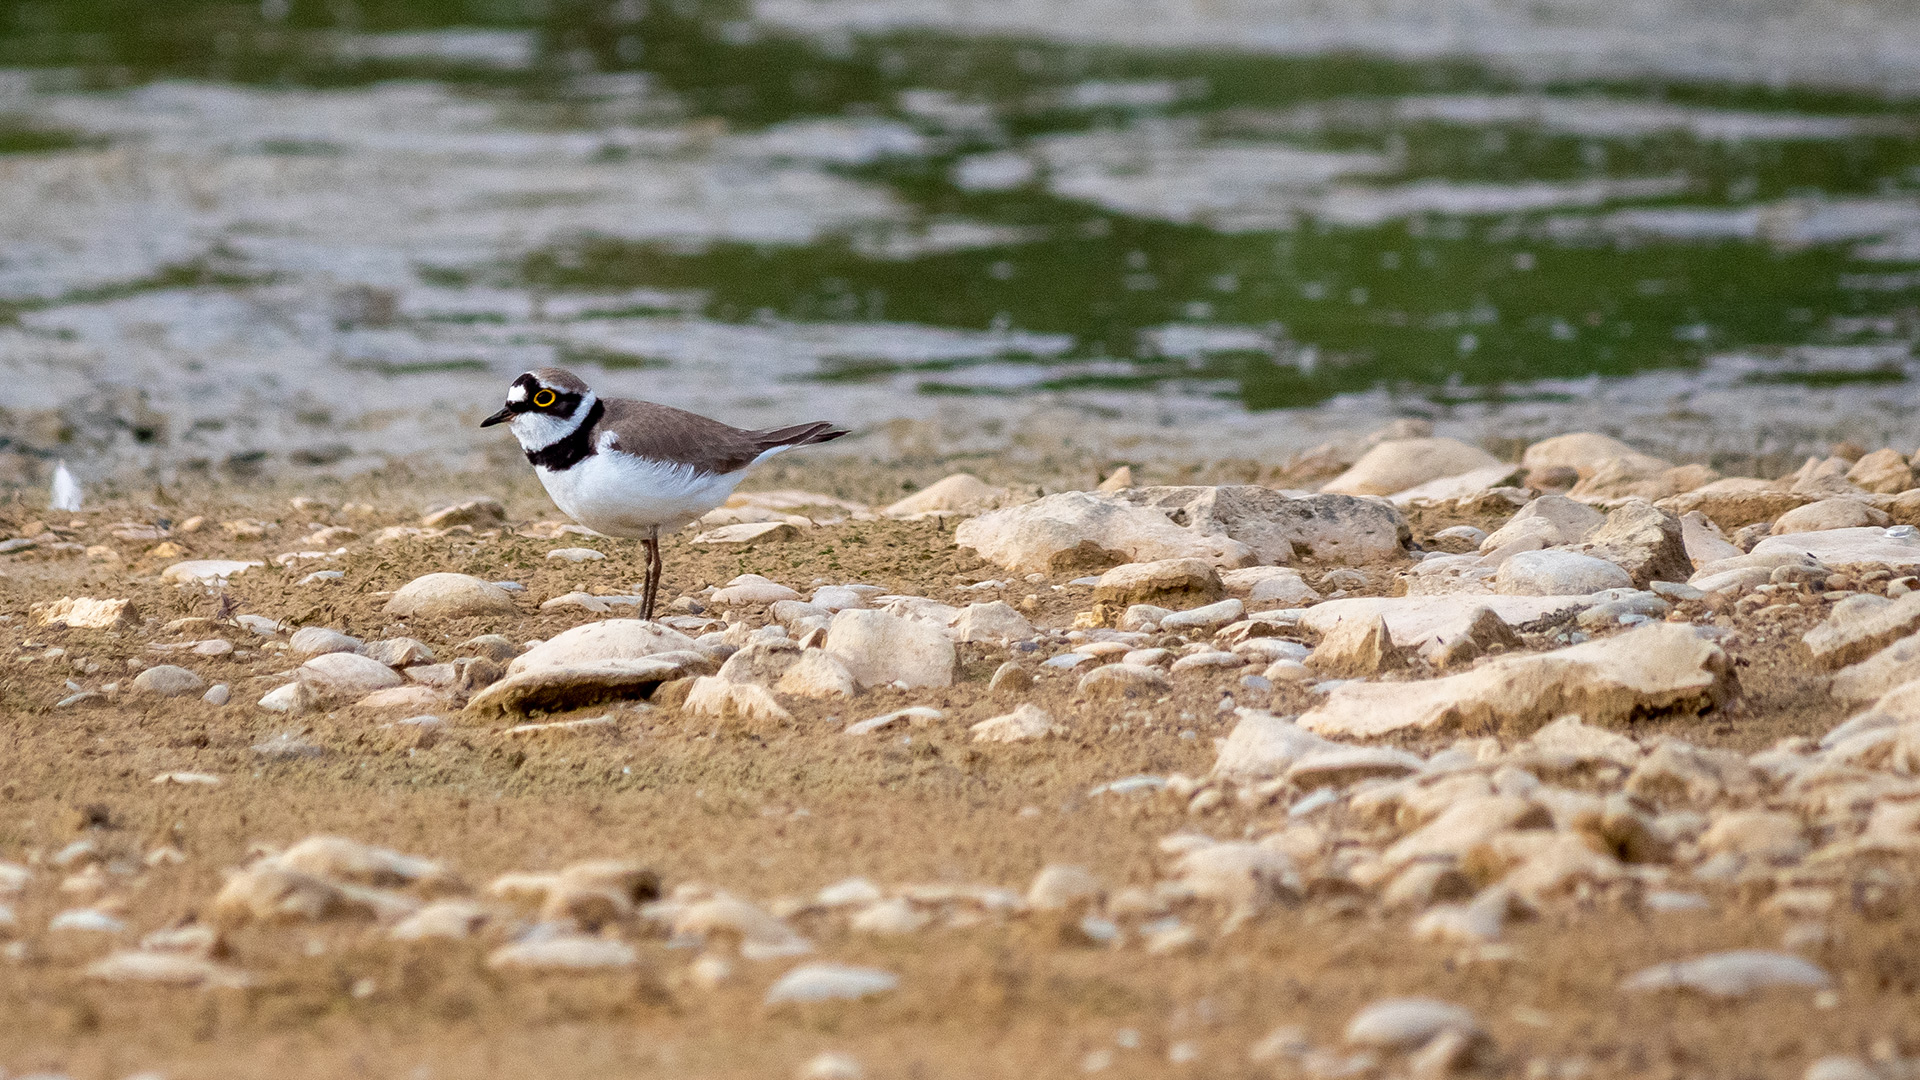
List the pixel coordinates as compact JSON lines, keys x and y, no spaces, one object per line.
{"x":1465,"y":485}
{"x":318,"y":641}
{"x":1399,"y":464}
{"x":346,"y":676}
{"x":1863,"y":549}
{"x":830,"y":982}
{"x":166,"y":969}
{"x":1731,"y":974}
{"x":1282,"y":592}
{"x":895,"y":916}
{"x":1209,"y":617}
{"x":563,"y":952}
{"x":817,"y":675}
{"x":1407,"y":1023}
{"x":576,"y":554}
{"x":206,"y":571}
{"x":1653,"y":667}
{"x":1840,"y":513}
{"x":1579,"y":450}
{"x":1263,"y":745}
{"x":1026,"y":722}
{"x":288,"y":698}
{"x":1552,"y":520}
{"x":996,"y":621}
{"x":610,"y":639}
{"x":1558,"y":573}
{"x":753,"y":593}
{"x":86,"y":613}
{"x":1416,"y":620}
{"x":449,"y":596}
{"x":720,"y":699}
{"x":748,"y":533}
{"x":832,"y":598}
{"x":879,"y":648}
{"x":1077,"y":529}
{"x":1059,"y":886}
{"x":959,"y":493}
{"x":218,"y":694}
{"x":167,"y":680}
{"x":917,"y":716}
{"x":1704,"y":541}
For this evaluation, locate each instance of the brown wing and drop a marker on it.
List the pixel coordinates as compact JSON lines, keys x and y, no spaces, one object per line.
{"x":664,"y":433}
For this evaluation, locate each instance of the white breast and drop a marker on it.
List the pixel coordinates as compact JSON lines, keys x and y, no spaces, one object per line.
{"x":622,"y":495}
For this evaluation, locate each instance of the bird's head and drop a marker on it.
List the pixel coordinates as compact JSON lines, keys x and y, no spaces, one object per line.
{"x":551,"y":394}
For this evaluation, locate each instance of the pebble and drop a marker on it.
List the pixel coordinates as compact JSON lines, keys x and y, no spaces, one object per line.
{"x":322,"y":577}
{"x":879,"y":648}
{"x":1060,"y":886}
{"x":453,"y":920}
{"x":1009,"y":679}
{"x":563,"y":952}
{"x":1840,"y":1067}
{"x":87,"y":920}
{"x":1404,"y":1024}
{"x":830,"y":1065}
{"x":1211,"y":659}
{"x":817,"y":675}
{"x":576,"y":554}
{"x":996,"y":621}
{"x":750,"y":590}
{"x":1049,"y":534}
{"x":896,"y":916}
{"x":167,"y":680}
{"x":292,"y":697}
{"x":166,"y":969}
{"x":830,"y":982}
{"x":1210,"y":617}
{"x":206,"y":571}
{"x":319,"y":640}
{"x":449,"y":596}
{"x":1558,"y":573}
{"x":344,"y":676}
{"x":611,"y":639}
{"x":1177,"y":582}
{"x":85,"y":613}
{"x":1024,"y":723}
{"x":1730,"y":974}
{"x":917,"y":716}
{"x":1122,"y":680}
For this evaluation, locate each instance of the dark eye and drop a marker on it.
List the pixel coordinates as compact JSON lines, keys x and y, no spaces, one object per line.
{"x":544,"y":398}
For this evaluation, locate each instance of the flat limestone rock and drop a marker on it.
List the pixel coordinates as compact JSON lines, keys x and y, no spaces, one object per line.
{"x":1555,"y":519}
{"x":1736,"y":502}
{"x":609,"y":639}
{"x":1861,"y":626}
{"x":1647,"y":542}
{"x":1862,"y":548}
{"x":1835,"y":513}
{"x":1558,"y":573}
{"x":206,"y":571}
{"x":1582,"y":451}
{"x":957,"y":494}
{"x":879,"y":648}
{"x":1263,"y":745}
{"x":1465,"y":485}
{"x":1078,"y":529}
{"x":1279,"y":527}
{"x":1651,"y":669}
{"x":1416,"y":620}
{"x":344,"y":676}
{"x":1171,"y":582}
{"x":553,"y":687}
{"x":85,"y":613}
{"x":1731,"y":974}
{"x":995,"y":621}
{"x":830,"y":982}
{"x":1891,"y":667}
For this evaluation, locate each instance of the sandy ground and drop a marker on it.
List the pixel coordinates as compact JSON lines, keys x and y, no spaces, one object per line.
{"x":771,"y":812}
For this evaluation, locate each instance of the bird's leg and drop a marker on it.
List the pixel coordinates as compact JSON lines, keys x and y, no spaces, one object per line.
{"x":652,"y":588}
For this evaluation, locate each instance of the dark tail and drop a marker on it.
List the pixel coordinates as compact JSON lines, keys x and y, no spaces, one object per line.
{"x":800,"y":435}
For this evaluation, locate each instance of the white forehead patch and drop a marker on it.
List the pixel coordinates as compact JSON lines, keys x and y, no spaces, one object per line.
{"x":517,"y":392}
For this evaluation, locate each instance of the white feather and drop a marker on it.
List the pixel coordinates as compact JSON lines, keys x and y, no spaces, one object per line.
{"x":538,"y":430}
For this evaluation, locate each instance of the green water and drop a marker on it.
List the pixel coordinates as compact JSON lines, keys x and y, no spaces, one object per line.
{"x":1461,"y":305}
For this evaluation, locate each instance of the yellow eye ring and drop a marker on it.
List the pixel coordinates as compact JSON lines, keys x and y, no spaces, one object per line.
{"x":544,"y":398}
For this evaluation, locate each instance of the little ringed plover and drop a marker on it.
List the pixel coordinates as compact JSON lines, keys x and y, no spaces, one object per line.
{"x":631,"y":468}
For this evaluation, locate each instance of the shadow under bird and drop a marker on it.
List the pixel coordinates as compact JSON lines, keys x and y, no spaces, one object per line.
{"x":631,"y":468}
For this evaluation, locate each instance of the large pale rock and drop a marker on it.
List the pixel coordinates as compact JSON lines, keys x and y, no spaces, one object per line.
{"x":86,"y":613}
{"x":1078,"y":530}
{"x":1263,"y":745}
{"x":1583,"y":452}
{"x":1731,"y":974}
{"x":1282,"y":592}
{"x":1464,"y":486}
{"x":567,"y":952}
{"x":817,"y":675}
{"x":1644,"y":540}
{"x":1208,"y":617}
{"x":1757,"y":834}
{"x":1485,"y":632}
{"x":1736,"y":502}
{"x":1175,"y":583}
{"x":996,"y":621}
{"x":1400,"y":464}
{"x":1860,"y":549}
{"x":1552,"y":519}
{"x":1891,"y":667}
{"x":611,"y":639}
{"x":168,"y":680}
{"x":480,"y":512}
{"x":346,"y":676}
{"x":761,"y":663}
{"x":1246,"y":878}
{"x":830,"y":982}
{"x":1883,"y":472}
{"x":1558,"y":573}
{"x":1465,"y":824}
{"x":1862,"y":625}
{"x":722,"y":700}
{"x":1357,"y":648}
{"x":959,"y":493}
{"x":1416,"y":621}
{"x":1408,"y":1023}
{"x":1704,"y":541}
{"x":1836,"y":513}
{"x":1278,"y":527}
{"x":1651,"y":669}
{"x":554,"y":687}
{"x":319,"y":640}
{"x":449,"y":596}
{"x":1632,"y":476}
{"x":879,"y":648}
{"x":166,"y":969}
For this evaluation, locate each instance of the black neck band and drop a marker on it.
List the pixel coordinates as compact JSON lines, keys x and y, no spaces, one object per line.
{"x":575,"y":448}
